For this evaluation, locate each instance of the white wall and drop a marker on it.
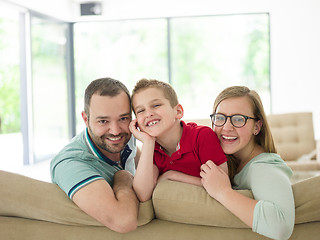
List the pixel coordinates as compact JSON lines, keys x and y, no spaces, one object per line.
{"x":60,"y":9}
{"x":295,"y":38}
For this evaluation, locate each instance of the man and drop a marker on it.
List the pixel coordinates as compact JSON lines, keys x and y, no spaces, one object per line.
{"x":96,"y":168}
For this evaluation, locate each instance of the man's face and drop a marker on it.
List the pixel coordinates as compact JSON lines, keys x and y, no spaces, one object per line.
{"x":108,"y":123}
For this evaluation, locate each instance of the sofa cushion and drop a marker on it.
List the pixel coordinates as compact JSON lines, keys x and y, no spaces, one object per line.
{"x":293,"y":134}
{"x":185,"y":203}
{"x":25,"y":197}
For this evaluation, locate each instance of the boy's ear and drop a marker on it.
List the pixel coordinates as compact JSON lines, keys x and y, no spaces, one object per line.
{"x":180,"y":111}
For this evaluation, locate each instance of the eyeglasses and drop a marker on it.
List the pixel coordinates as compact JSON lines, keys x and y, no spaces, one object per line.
{"x":237,"y":120}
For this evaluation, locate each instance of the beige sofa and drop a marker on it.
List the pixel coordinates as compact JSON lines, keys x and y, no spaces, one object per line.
{"x":293,"y":134}
{"x":32,"y":209}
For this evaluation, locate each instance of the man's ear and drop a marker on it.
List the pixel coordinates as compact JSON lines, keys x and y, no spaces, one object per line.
{"x":180,"y":111}
{"x":85,"y":118}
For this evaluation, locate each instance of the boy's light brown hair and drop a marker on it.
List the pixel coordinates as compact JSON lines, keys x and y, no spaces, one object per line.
{"x":168,"y":91}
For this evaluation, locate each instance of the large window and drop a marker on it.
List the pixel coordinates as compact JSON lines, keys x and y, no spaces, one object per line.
{"x":124,"y":50}
{"x":10,"y":135}
{"x":209,"y":54}
{"x":9,"y":72}
{"x":49,"y":87}
{"x":199,"y":56}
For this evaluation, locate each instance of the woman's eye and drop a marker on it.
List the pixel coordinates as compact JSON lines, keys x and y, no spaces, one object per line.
{"x":220,"y":118}
{"x":239,"y":119}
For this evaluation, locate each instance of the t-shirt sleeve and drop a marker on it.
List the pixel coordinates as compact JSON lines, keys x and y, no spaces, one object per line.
{"x":275,"y":211}
{"x":209,"y":147}
{"x":72,"y":175}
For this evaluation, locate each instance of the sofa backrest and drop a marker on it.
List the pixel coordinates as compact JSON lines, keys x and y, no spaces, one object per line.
{"x":200,"y":121}
{"x":293,"y":134}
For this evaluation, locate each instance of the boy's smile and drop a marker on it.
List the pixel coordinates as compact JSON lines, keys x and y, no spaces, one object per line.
{"x":151,"y":123}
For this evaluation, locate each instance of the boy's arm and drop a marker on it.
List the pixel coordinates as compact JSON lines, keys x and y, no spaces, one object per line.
{"x":180,"y":177}
{"x":147,"y":173}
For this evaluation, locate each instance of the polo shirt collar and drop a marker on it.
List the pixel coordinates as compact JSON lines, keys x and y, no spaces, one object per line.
{"x":124,"y":155}
{"x":185,"y":143}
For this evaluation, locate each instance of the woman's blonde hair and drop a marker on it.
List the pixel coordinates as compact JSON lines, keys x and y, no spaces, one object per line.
{"x":264,"y":138}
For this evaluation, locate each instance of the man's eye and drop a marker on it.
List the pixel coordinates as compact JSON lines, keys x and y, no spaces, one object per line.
{"x":124,"y":119}
{"x":156,"y":105}
{"x":103,"y":121}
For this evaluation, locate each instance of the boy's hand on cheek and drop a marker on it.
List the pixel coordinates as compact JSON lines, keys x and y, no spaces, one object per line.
{"x":138,"y":134}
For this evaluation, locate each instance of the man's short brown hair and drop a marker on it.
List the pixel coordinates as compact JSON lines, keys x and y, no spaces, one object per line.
{"x":104,"y":87}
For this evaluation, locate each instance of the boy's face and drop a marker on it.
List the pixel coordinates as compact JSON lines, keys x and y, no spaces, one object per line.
{"x":154,"y":113}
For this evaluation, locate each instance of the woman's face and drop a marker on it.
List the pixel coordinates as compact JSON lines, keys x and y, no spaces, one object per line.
{"x":237,"y":141}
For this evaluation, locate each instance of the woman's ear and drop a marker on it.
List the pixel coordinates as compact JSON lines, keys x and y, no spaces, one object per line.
{"x":180,"y":111}
{"x":257,"y":128}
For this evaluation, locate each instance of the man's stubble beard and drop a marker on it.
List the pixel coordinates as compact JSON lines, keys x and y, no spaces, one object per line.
{"x":111,"y":148}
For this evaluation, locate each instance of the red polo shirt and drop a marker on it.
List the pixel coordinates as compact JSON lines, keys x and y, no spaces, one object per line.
{"x":198,"y":144}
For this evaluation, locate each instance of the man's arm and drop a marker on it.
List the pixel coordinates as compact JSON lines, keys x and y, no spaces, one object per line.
{"x":115,"y":208}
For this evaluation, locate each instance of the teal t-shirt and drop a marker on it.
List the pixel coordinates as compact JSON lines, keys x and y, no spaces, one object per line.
{"x":80,"y":163}
{"x":268,"y":177}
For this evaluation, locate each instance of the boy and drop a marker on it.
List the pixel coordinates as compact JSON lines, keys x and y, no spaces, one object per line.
{"x":171,"y":148}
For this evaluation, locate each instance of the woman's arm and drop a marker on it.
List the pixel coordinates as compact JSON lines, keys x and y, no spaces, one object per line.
{"x":271,"y":213}
{"x":217,"y":184}
{"x":275,"y":212}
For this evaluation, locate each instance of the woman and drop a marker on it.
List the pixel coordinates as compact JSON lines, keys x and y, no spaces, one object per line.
{"x":240,"y":123}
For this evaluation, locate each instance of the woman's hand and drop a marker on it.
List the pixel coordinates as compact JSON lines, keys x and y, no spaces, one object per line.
{"x":214,"y":180}
{"x":141,"y":136}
